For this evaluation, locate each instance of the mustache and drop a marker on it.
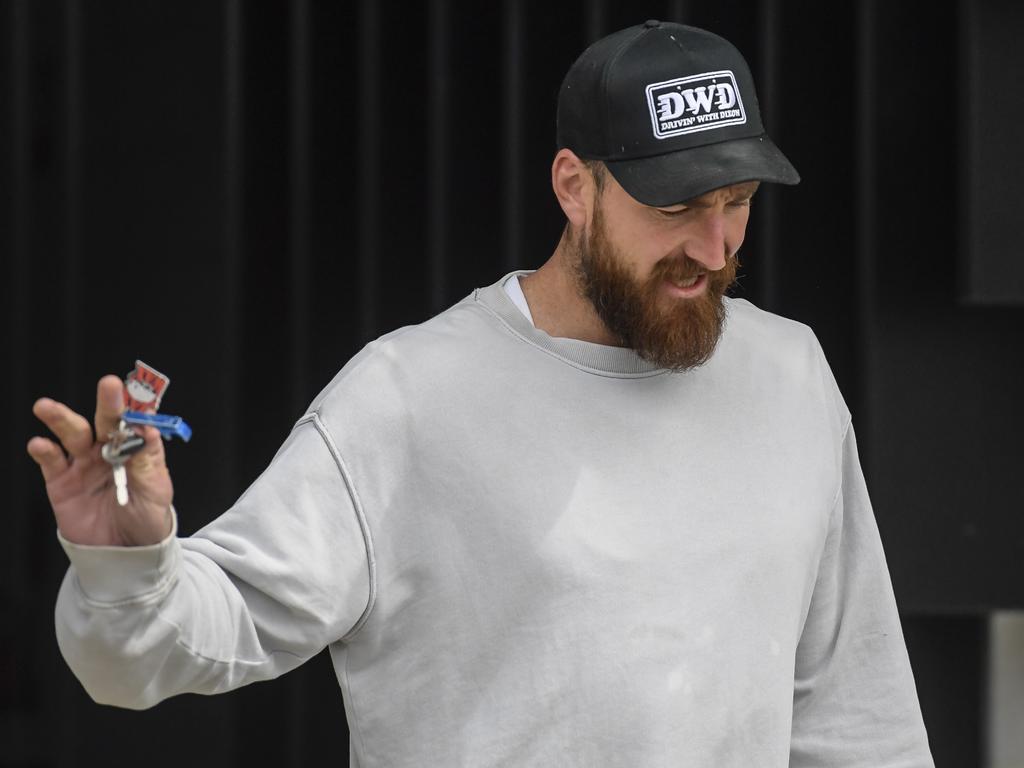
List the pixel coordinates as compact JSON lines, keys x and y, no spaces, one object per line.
{"x":678,"y":269}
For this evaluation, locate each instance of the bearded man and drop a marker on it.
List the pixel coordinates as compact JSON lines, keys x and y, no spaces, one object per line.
{"x":596,"y":514}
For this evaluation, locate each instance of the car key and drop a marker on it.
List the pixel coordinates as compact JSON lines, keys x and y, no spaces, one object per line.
{"x":123,"y":443}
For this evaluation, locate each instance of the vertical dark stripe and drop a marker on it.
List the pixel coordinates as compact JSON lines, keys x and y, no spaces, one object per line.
{"x":967,"y":182}
{"x":512,"y":182}
{"x":678,"y":11}
{"x":992,"y":736}
{"x":232,"y":272}
{"x":15,"y":579}
{"x":437,"y":172}
{"x":19,"y":291}
{"x":300,"y":217}
{"x":768,"y":93}
{"x":369,"y":168}
{"x":299,"y":239}
{"x":596,"y":19}
{"x":866,"y":220}
{"x":73,"y":186}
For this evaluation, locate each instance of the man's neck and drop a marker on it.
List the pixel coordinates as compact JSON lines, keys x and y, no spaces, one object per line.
{"x":556,"y":304}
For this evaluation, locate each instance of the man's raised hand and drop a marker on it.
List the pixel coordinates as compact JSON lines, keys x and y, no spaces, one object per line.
{"x":80,"y":483}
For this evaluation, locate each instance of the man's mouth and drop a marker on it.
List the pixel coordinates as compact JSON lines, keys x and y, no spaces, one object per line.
{"x":687,"y":283}
{"x":690,"y":286}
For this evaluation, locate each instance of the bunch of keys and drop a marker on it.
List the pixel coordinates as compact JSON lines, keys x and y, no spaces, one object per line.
{"x":122,"y":444}
{"x":144,"y":387}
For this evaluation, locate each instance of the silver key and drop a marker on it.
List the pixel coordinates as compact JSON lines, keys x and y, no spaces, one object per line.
{"x":121,"y":484}
{"x":121,"y":445}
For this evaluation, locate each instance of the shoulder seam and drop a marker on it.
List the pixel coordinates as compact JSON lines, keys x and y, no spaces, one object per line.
{"x":842,"y":480}
{"x":325,"y":435}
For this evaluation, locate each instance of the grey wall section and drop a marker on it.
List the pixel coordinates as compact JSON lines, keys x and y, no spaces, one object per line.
{"x":243,"y":194}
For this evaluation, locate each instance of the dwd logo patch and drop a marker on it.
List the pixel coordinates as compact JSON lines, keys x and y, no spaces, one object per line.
{"x":695,"y":103}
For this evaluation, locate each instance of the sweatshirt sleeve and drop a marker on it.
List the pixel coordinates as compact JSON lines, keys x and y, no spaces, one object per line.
{"x":271,"y":582}
{"x":855,"y":703}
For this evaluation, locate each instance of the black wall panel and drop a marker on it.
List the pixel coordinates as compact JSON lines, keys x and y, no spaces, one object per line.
{"x":244,"y":194}
{"x":985,"y":99}
{"x":944,"y":377}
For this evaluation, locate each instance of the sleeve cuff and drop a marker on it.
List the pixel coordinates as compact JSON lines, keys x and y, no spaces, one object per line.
{"x":110,"y":575}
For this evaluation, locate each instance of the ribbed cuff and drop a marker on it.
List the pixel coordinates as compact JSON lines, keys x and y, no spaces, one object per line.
{"x":109,"y":575}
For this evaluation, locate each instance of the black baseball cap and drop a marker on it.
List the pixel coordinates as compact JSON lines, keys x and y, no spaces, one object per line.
{"x":672,"y":112}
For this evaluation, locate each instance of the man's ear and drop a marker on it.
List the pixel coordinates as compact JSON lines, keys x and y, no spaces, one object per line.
{"x":573,"y":186}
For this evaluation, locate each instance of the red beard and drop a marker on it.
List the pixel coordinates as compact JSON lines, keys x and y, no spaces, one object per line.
{"x":677,"y":334}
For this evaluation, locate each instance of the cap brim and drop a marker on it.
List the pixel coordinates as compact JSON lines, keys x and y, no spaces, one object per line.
{"x":680,"y":176}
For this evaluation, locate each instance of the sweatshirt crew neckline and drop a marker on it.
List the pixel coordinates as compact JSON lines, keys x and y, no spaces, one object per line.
{"x":586,"y":355}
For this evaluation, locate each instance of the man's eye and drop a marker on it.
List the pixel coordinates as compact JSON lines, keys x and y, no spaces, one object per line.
{"x":741,"y":203}
{"x":672,"y":214}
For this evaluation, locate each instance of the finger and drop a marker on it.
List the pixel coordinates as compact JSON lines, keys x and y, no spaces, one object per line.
{"x":72,"y":429}
{"x":48,"y":455}
{"x":109,"y":406}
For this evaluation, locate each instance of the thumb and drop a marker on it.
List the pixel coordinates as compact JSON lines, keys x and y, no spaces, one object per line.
{"x":150,"y":494}
{"x":151,"y":457}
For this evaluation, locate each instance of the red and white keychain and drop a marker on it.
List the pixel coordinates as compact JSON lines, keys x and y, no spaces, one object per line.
{"x":144,"y":388}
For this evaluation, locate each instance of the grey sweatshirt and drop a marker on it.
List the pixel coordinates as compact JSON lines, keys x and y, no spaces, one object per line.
{"x":533,"y":551}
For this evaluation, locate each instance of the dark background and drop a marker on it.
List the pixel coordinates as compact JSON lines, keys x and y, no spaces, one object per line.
{"x":244,"y":193}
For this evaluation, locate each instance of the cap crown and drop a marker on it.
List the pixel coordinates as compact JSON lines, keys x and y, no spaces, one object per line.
{"x":653,"y":89}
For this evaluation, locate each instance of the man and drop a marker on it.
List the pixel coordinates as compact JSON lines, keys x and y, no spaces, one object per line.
{"x":591,"y":515}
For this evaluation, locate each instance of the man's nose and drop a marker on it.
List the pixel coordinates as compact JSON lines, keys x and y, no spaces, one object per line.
{"x":707,"y":244}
